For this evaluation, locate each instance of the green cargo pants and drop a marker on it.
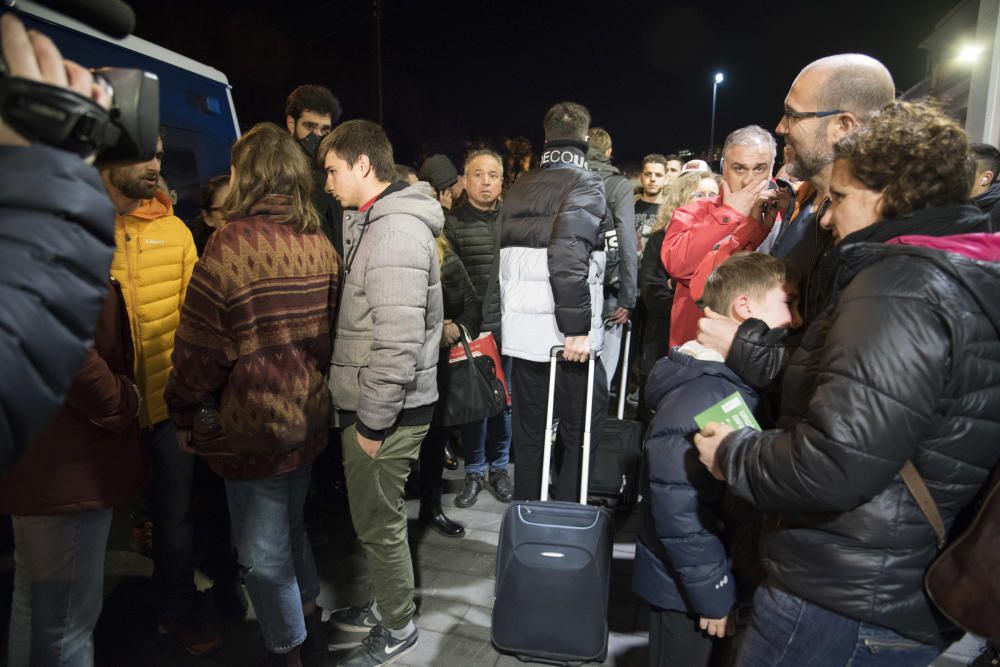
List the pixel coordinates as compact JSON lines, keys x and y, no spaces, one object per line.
{"x":375,"y":490}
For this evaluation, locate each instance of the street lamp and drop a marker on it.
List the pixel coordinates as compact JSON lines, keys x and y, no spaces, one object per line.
{"x":715,"y":87}
{"x":969,"y":53}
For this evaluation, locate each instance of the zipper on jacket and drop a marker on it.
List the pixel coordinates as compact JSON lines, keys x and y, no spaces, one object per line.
{"x":134,"y":319}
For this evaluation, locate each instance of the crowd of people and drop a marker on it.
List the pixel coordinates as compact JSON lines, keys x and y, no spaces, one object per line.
{"x":302,"y":335}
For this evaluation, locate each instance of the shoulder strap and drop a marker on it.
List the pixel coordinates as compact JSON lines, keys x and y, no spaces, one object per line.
{"x":918,"y":489}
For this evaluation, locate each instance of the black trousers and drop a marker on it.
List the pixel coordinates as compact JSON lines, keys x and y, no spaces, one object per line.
{"x":675,"y":640}
{"x":529,"y":394}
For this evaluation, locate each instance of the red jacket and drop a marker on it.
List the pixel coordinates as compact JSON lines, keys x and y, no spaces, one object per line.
{"x":89,"y":456}
{"x":693,"y":232}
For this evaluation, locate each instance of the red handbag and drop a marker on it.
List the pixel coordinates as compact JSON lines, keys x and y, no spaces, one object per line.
{"x":484,"y":346}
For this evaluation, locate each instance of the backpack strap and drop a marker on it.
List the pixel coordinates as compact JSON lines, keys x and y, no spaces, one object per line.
{"x":918,"y":489}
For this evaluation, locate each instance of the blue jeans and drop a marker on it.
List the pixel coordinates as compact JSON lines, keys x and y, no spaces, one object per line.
{"x":275,"y":554}
{"x":173,"y":525}
{"x":58,"y":588}
{"x":787,"y":631}
{"x":488,"y":441}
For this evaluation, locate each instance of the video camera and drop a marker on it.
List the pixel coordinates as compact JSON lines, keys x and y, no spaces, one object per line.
{"x":58,"y":117}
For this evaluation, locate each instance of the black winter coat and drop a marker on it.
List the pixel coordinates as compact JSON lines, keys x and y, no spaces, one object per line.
{"x":473,"y":235}
{"x":903,"y":364}
{"x":58,"y":237}
{"x":550,"y":236}
{"x":682,"y":556}
{"x":461,"y":304}
{"x":657,"y":299}
{"x":987,"y":203}
{"x":760,"y":357}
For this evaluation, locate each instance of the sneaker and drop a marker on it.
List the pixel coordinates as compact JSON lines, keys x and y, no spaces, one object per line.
{"x":196,"y":636}
{"x":379,"y":648}
{"x":354,"y":619}
{"x":503,"y":487}
{"x":473,"y":485}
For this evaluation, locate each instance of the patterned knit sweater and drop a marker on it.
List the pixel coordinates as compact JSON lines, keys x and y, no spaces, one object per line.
{"x":255,"y":334}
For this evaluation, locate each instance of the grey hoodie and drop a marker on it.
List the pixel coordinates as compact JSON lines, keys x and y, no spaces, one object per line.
{"x":385,"y":353}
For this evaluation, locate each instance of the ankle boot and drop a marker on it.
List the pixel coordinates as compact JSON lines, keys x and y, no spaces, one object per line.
{"x":450,"y":460}
{"x":433,"y":516}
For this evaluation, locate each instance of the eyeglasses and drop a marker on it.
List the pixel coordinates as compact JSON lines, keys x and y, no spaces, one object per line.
{"x":790,"y":115}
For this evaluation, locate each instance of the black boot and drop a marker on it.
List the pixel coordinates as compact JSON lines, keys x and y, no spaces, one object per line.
{"x":450,"y":460}
{"x":433,"y":516}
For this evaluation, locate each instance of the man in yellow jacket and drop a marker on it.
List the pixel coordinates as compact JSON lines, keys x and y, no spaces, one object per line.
{"x":153,"y":260}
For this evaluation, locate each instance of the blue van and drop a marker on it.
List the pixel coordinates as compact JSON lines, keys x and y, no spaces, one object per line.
{"x":196,"y":106}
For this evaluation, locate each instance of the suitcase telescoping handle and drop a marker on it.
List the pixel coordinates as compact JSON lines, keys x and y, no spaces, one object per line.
{"x":622,"y":389}
{"x":555,"y":354}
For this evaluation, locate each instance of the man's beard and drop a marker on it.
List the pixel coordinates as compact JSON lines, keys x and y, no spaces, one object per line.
{"x":806,"y":165}
{"x":131,"y":184}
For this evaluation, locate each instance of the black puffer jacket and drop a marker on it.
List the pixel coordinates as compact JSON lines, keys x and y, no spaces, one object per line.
{"x":987,"y":203}
{"x":760,"y":358}
{"x":461,"y":304}
{"x":55,"y":251}
{"x":904,"y":364}
{"x":552,"y":255}
{"x":473,"y":233}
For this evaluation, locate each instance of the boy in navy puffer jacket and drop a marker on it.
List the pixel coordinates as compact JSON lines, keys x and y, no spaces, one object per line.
{"x":694,"y":537}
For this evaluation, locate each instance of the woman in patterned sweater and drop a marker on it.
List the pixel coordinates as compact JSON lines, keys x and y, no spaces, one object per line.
{"x":254,"y":339}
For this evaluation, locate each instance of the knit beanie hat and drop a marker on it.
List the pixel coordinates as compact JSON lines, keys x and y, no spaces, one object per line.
{"x":439,"y":170}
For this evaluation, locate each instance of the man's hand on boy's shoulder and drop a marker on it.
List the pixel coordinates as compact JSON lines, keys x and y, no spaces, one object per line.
{"x":717,"y":332}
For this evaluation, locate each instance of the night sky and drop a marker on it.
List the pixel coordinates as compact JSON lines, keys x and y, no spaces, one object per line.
{"x":457,"y":71}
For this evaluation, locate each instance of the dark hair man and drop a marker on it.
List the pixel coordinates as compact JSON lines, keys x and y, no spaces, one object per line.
{"x":552,"y":285}
{"x":986,"y":188}
{"x":383,"y":373}
{"x":653,"y":179}
{"x":153,"y":261}
{"x":674,"y":165}
{"x":621,"y":269}
{"x":310,"y":113}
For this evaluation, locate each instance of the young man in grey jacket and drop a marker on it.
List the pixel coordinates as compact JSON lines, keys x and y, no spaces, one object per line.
{"x":383,"y":374}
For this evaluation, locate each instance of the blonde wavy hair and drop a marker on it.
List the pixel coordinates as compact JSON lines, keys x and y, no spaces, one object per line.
{"x":678,"y":194}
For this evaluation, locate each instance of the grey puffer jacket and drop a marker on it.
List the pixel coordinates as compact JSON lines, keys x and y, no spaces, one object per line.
{"x":385,"y":353}
{"x":621,"y":273}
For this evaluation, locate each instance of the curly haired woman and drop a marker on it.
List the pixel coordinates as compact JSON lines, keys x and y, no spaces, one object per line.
{"x":903,"y":365}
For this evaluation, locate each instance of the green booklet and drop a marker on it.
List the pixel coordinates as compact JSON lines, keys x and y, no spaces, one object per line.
{"x":731,"y":411}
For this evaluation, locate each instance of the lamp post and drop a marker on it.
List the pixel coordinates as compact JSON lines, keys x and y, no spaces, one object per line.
{"x":715,"y":87}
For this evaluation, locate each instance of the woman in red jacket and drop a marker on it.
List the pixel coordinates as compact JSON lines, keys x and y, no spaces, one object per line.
{"x":248,"y":388}
{"x":61,"y":493}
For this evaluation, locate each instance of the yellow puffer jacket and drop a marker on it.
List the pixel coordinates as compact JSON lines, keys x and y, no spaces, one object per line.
{"x":154,"y":257}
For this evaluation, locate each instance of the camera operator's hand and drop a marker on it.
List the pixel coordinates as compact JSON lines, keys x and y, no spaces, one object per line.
{"x":32,"y":55}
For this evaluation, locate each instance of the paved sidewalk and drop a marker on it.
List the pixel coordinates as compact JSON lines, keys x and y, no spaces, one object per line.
{"x":454,"y":588}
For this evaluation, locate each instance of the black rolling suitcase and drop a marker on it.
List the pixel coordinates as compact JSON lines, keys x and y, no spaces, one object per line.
{"x":553,"y":568}
{"x":619,"y":451}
